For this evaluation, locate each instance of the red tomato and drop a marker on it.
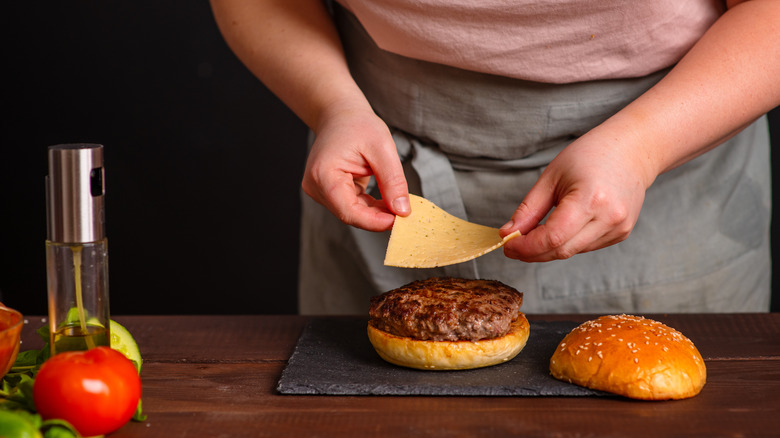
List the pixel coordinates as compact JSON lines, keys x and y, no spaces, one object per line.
{"x":97,"y":391}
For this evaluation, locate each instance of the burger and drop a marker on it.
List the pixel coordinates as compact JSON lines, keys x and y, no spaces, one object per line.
{"x":630,"y":356}
{"x":448,"y":324}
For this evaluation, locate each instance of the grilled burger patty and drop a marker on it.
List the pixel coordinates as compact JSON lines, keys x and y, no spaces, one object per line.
{"x":447,"y":309}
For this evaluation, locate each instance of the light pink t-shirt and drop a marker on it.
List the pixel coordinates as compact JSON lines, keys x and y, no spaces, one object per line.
{"x":554,"y":41}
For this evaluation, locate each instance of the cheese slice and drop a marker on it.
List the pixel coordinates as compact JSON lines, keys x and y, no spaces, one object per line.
{"x":431,"y":237}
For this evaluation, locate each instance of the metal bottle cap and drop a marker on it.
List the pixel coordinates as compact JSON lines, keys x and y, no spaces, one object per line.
{"x":75,"y":193}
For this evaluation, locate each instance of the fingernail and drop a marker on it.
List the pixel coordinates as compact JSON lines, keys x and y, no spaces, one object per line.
{"x":508,"y":225}
{"x":401,"y":205}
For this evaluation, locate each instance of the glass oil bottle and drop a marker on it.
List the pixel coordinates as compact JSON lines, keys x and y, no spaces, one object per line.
{"x":76,"y":248}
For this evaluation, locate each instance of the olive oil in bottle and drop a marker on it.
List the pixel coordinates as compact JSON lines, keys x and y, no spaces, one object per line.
{"x":76,"y":249}
{"x":74,"y":337}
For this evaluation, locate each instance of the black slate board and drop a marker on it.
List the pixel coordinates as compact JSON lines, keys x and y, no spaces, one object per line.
{"x":334,"y":357}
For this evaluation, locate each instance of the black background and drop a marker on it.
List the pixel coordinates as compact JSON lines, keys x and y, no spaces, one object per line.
{"x":203,"y":163}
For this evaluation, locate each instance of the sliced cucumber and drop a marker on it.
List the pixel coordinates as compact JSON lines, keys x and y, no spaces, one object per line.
{"x":123,"y":342}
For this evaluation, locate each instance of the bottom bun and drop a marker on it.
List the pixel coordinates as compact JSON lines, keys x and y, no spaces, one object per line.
{"x":450,"y":355}
{"x":631,"y":356}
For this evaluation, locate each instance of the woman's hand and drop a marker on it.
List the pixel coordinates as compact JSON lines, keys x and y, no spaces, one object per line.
{"x":595,"y":188}
{"x":353,"y":144}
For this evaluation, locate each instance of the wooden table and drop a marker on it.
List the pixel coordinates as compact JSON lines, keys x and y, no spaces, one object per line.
{"x":215,"y":376}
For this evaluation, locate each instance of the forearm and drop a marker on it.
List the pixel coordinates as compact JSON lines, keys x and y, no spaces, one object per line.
{"x":292,"y":46}
{"x":726,"y":81}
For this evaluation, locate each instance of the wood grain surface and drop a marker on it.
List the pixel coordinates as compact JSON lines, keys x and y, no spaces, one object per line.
{"x":215,"y":376}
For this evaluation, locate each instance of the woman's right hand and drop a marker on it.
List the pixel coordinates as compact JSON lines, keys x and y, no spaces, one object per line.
{"x":352,"y":144}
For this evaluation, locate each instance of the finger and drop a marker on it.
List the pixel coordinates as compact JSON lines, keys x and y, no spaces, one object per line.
{"x":572,"y":230}
{"x":603,"y":223}
{"x":590,"y":238}
{"x":345,"y":197}
{"x":555,"y":239}
{"x":390,"y":179}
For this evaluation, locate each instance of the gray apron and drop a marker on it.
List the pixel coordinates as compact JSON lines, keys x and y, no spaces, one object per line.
{"x":474,"y":144}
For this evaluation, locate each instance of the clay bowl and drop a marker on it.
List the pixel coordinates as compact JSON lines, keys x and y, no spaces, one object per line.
{"x":10,"y":331}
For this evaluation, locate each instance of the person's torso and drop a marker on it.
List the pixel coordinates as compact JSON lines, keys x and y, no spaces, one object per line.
{"x":547,"y":41}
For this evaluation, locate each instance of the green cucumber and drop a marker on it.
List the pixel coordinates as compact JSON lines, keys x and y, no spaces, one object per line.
{"x":123,"y":342}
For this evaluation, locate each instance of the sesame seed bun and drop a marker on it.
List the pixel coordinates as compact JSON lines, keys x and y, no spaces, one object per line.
{"x":450,"y":355}
{"x":631,"y":356}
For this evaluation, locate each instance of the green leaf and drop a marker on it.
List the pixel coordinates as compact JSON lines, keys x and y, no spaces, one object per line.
{"x":28,"y":362}
{"x":27,"y":358}
{"x":19,"y":394}
{"x":56,"y":428}
{"x":43,"y":332}
{"x":139,"y":415}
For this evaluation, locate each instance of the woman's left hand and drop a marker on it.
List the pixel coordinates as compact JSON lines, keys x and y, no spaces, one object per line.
{"x":593,"y":191}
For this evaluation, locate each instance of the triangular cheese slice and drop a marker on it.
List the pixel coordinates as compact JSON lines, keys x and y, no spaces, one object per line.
{"x":431,"y":237}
